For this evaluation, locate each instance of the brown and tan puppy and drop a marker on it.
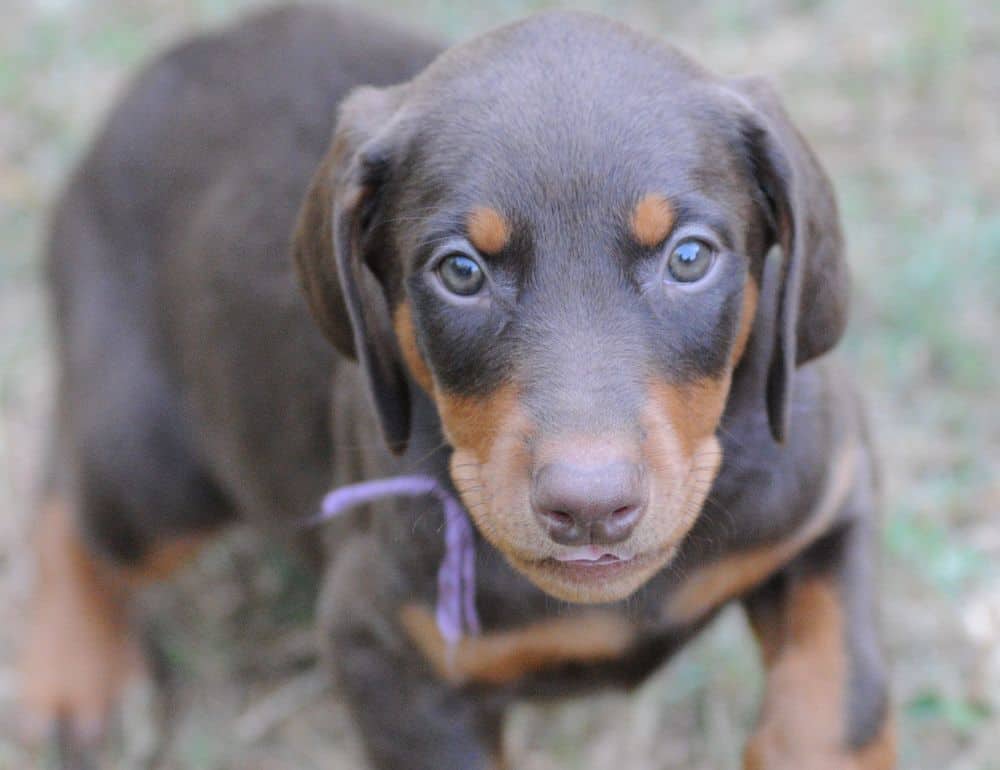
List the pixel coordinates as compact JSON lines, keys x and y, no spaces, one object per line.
{"x":543,"y":260}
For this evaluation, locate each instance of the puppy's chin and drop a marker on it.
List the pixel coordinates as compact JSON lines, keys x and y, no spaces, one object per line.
{"x":593,"y":582}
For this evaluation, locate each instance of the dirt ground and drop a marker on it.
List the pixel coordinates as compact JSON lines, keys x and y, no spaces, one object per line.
{"x":901,"y":98}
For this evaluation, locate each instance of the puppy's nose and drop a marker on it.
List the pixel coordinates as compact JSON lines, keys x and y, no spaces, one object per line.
{"x":579,"y":505}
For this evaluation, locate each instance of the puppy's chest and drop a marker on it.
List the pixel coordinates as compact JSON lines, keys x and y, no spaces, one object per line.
{"x":535,"y":642}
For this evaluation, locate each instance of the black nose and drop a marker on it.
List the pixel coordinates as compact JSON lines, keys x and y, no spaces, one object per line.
{"x":579,"y":505}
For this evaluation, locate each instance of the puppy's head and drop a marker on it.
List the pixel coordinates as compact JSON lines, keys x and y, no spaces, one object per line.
{"x":558,"y":231}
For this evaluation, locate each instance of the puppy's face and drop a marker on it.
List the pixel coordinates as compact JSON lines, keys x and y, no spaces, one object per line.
{"x":569,"y":232}
{"x":577,"y":290}
{"x":580,"y":369}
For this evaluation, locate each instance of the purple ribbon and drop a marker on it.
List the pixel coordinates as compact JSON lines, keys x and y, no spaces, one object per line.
{"x":456,"y":601}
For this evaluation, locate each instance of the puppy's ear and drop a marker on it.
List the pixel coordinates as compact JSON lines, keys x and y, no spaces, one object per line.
{"x":343,"y":264}
{"x":813,"y":295}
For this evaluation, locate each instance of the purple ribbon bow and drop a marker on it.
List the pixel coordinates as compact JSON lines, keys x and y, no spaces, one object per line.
{"x":456,"y":601}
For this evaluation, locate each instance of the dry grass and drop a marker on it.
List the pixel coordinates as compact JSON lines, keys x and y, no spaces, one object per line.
{"x":900,"y":98}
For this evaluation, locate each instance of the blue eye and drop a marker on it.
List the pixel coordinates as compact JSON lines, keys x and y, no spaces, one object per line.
{"x":690,"y":260}
{"x":461,"y":274}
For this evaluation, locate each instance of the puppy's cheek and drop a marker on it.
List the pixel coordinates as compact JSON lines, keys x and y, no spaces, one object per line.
{"x":702,"y":470}
{"x":682,"y":456}
{"x":497,"y":501}
{"x":490,"y":467}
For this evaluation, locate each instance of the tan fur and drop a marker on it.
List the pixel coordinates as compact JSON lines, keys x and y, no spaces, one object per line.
{"x":492,"y":466}
{"x":79,"y":650}
{"x":473,"y":423}
{"x":714,"y":584}
{"x":694,"y":408}
{"x":488,"y":230}
{"x":881,"y":753}
{"x":505,"y":656}
{"x":406,"y":335}
{"x":802,"y":722}
{"x":651,"y":221}
{"x":164,"y":560}
{"x":802,"y":719}
{"x":751,"y":296}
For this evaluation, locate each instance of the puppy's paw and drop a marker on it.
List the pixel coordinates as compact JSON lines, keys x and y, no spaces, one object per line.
{"x":78,"y":651}
{"x":79,"y":655}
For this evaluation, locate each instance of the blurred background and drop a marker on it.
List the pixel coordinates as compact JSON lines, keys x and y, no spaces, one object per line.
{"x":901,"y":99}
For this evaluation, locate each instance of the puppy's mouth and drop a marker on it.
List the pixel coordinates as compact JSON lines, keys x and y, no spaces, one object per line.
{"x":590,"y":564}
{"x":610,"y":564}
{"x":594,"y":574}
{"x":590,"y":556}
{"x":607,"y":558}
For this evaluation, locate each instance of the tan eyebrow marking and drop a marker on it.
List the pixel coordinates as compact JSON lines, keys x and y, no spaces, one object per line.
{"x":488,"y":230}
{"x":652,"y":219}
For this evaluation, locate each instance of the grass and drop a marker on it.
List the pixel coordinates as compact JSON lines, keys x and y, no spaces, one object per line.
{"x":899,"y":98}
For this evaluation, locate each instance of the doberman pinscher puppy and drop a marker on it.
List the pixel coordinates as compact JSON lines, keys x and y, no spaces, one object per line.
{"x":544,"y":259}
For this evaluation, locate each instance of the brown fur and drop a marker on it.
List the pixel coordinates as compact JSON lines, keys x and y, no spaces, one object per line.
{"x":651,"y":221}
{"x":180,"y":428}
{"x":503,"y":657}
{"x":488,"y":231}
{"x":712,"y":585}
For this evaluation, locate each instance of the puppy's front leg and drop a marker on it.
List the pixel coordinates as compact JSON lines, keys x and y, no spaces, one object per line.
{"x":408,"y":717}
{"x":826,"y":704}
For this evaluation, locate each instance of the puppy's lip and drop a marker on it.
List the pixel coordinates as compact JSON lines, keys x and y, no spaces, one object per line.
{"x":590,"y":555}
{"x":592,"y":580}
{"x":589,"y":570}
{"x":608,"y":558}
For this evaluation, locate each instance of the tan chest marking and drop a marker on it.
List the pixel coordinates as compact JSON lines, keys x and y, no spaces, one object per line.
{"x":501,"y":657}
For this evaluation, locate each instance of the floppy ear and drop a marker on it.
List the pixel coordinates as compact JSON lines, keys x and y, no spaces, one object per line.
{"x":335,"y":250}
{"x":813,"y":295}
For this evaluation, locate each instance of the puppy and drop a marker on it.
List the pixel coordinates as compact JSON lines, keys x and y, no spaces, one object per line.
{"x":544,"y":261}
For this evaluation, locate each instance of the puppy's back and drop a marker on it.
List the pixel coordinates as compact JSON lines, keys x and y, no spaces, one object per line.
{"x":179,"y":323}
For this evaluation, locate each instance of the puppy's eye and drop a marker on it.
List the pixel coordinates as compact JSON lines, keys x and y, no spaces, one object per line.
{"x":461,"y":274}
{"x":690,"y":260}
